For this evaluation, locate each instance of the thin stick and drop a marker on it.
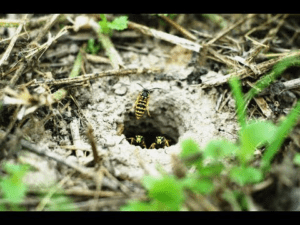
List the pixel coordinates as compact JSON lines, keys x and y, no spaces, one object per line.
{"x":62,"y":93}
{"x":82,"y":192}
{"x":93,"y":144}
{"x":121,"y":72}
{"x":165,"y":36}
{"x":47,"y":198}
{"x":76,"y":137}
{"x":182,"y":30}
{"x":46,"y":28}
{"x":11,"y":125}
{"x":111,"y":52}
{"x":269,"y":36}
{"x":40,"y":49}
{"x":291,"y":84}
{"x":224,"y":32}
{"x":13,"y":41}
{"x":43,"y":152}
{"x":262,"y":67}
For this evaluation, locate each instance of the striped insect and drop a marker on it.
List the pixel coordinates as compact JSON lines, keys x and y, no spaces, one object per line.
{"x":142,"y":102}
{"x":160,"y":142}
{"x":138,"y":140}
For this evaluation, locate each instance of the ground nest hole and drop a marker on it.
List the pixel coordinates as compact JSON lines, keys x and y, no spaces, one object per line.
{"x":149,"y":128}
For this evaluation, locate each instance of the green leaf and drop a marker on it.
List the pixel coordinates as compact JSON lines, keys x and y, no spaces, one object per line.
{"x":217,"y":149}
{"x":245,"y":175}
{"x":211,"y":170}
{"x":201,"y":185}
{"x":138,"y":206}
{"x":14,"y":190}
{"x":165,"y":189}
{"x":104,"y":24}
{"x":149,"y":181}
{"x":189,"y":147}
{"x":255,"y":134}
{"x":119,"y":23}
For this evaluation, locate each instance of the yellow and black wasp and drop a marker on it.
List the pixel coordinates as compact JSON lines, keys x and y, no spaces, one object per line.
{"x":160,"y":142}
{"x":138,"y":140}
{"x":142,"y":102}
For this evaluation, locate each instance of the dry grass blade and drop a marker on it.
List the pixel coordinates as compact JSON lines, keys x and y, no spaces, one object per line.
{"x":46,"y":28}
{"x":13,"y":40}
{"x":271,"y":34}
{"x":46,"y":199}
{"x":38,"y":50}
{"x":92,"y":141}
{"x":225,"y":31}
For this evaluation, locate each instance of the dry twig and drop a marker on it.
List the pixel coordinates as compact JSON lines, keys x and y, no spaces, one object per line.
{"x":182,"y":30}
{"x":121,"y":72}
{"x":242,"y":73}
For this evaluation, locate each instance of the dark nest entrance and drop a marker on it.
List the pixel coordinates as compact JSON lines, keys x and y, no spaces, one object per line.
{"x":149,"y":128}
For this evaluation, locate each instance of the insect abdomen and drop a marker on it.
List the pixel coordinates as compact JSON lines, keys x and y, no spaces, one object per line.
{"x":141,"y":107}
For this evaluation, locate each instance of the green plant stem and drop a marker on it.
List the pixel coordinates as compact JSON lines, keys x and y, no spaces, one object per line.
{"x":283,"y":130}
{"x":110,"y":51}
{"x":240,"y":103}
{"x":62,"y":93}
{"x":77,"y":66}
{"x":278,"y":69}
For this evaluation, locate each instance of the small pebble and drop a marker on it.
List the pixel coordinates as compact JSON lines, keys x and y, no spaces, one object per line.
{"x":110,"y":143}
{"x":74,"y":48}
{"x":72,"y":158}
{"x":121,"y":91}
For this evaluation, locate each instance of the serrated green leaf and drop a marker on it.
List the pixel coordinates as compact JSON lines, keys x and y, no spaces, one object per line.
{"x":120,"y":23}
{"x":217,"y":149}
{"x":245,"y":175}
